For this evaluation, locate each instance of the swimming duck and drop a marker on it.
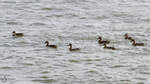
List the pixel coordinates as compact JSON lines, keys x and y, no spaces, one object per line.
{"x":73,"y":49}
{"x":52,"y":46}
{"x":105,"y":46}
{"x":101,"y":42}
{"x":127,"y":37}
{"x":16,"y":34}
{"x":137,"y":44}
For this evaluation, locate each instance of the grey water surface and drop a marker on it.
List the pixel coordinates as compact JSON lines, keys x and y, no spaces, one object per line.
{"x":26,"y":60}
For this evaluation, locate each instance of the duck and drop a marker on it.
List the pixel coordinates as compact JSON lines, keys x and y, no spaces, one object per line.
{"x":127,"y":37}
{"x":100,"y":41}
{"x":73,"y":49}
{"x":105,"y":46}
{"x":137,"y":44}
{"x":16,"y":34}
{"x":52,"y":46}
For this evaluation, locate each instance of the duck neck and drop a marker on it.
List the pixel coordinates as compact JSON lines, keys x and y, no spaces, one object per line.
{"x":14,"y":34}
{"x":133,"y":43}
{"x":126,"y":36}
{"x":70,"y":47}
{"x":105,"y":46}
{"x":100,"y":39}
{"x":47,"y":44}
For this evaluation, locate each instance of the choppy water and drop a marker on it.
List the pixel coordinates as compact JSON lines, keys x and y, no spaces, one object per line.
{"x":26,"y":60}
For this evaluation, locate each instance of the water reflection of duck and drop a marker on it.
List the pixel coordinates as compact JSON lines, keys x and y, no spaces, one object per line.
{"x":16,"y":34}
{"x":105,"y":46}
{"x":137,"y":44}
{"x":100,"y":41}
{"x":52,"y":46}
{"x":73,"y":49}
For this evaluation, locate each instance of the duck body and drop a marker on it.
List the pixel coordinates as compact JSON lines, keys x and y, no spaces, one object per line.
{"x":52,"y":46}
{"x":137,"y":44}
{"x":73,"y":49}
{"x":112,"y":48}
{"x":100,"y":41}
{"x":17,"y":34}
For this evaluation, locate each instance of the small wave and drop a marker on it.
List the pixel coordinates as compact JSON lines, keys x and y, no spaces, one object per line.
{"x":37,"y":24}
{"x":102,"y":17}
{"x":47,"y":8}
{"x":122,"y":14}
{"x":28,"y":64}
{"x":83,"y":17}
{"x":8,"y":1}
{"x":140,"y":83}
{"x":12,"y":23}
{"x":117,"y":66}
{"x":146,"y":73}
{"x":75,"y":61}
{"x":139,"y":78}
{"x":48,"y":81}
{"x":92,"y":71}
{"x":7,"y":67}
{"x":45,"y":72}
{"x":56,"y":15}
{"x":125,"y":80}
{"x":145,"y":20}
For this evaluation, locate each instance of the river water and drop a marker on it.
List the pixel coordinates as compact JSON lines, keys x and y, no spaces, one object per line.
{"x":26,"y":60}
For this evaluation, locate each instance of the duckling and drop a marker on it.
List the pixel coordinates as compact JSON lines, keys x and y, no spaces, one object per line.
{"x":105,"y":46}
{"x":137,"y":44}
{"x":127,"y":37}
{"x":52,"y":46}
{"x":101,"y":42}
{"x":16,"y":34}
{"x":73,"y":49}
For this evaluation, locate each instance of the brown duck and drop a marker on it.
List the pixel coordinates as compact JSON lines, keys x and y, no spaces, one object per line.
{"x":16,"y":34}
{"x":100,"y":41}
{"x":137,"y":44}
{"x":127,"y":37}
{"x":73,"y":49}
{"x":112,"y":48}
{"x":52,"y":46}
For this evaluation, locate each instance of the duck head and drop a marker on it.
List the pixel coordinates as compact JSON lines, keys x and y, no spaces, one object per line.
{"x":133,"y":41}
{"x":69,"y":44}
{"x":100,"y":38}
{"x":46,"y":42}
{"x":126,"y":35}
